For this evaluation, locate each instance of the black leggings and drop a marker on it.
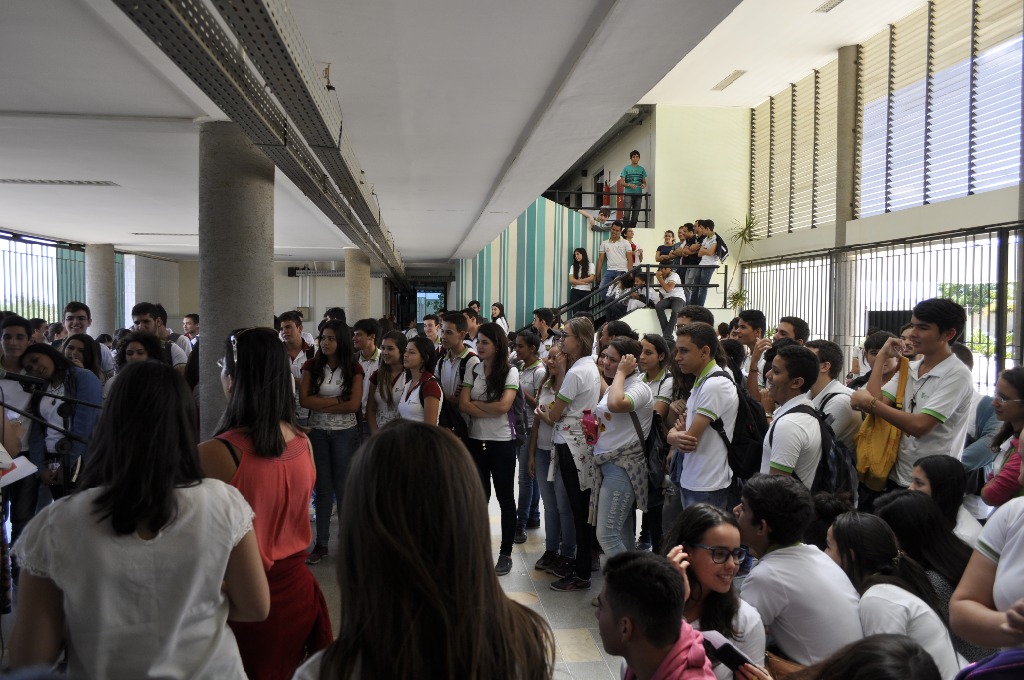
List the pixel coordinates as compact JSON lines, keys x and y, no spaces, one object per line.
{"x":498,"y":460}
{"x":579,"y":501}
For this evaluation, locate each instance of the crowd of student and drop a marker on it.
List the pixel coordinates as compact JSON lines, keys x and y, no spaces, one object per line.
{"x":729,"y":443}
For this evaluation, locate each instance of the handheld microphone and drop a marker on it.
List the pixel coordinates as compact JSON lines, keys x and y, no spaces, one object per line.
{"x":23,"y":379}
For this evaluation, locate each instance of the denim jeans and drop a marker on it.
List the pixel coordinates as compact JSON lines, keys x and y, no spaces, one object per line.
{"x":24,"y":496}
{"x":579,"y":502}
{"x":559,"y":530}
{"x":498,"y":460}
{"x":528,"y":506}
{"x":668,"y":327}
{"x":608,"y":275}
{"x":700,"y":295}
{"x":615,"y":511}
{"x":719,"y":498}
{"x":632,"y":203}
{"x":332,"y":454}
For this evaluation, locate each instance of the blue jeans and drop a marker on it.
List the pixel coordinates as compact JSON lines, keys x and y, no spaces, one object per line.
{"x":699,"y":295}
{"x":332,"y":454}
{"x":719,"y":498}
{"x":632,"y":203}
{"x":615,"y":511}
{"x":559,"y":529}
{"x":608,"y":275}
{"x":668,"y":327}
{"x":528,"y":508}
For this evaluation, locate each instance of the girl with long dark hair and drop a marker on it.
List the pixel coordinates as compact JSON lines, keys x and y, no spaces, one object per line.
{"x":710,"y":537}
{"x":498,"y":316}
{"x":581,"y":278}
{"x":332,"y":390}
{"x":943,"y":478}
{"x":419,"y":596}
{"x":488,"y":392}
{"x":924,"y":534}
{"x":44,"y":444}
{"x":388,"y":382}
{"x":421,"y":400}
{"x":84,"y":352}
{"x":895,"y":595}
{"x":654,"y":364}
{"x":261,"y":450}
{"x":144,"y":609}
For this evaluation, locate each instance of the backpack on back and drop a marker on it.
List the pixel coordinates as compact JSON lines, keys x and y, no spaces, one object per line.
{"x":746,"y":448}
{"x":837,"y":467}
{"x":722,"y":251}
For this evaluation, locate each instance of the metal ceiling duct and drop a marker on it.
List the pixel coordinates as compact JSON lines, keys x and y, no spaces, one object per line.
{"x":190,"y":35}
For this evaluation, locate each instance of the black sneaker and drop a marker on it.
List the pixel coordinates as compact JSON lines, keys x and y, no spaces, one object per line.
{"x":520,"y":536}
{"x":533,"y":523}
{"x":318,"y":552}
{"x":570,"y":583}
{"x":563,"y":566}
{"x":503,"y":566}
{"x":546,"y":560}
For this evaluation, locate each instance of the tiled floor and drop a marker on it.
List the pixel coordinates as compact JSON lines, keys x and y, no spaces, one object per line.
{"x":579,"y":654}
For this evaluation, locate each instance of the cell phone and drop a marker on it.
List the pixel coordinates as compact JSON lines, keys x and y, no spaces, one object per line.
{"x":719,"y":648}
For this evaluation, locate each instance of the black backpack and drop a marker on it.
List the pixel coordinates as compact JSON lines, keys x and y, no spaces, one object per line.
{"x":723,"y":249}
{"x":837,"y":467}
{"x":450,"y":417}
{"x":746,"y":448}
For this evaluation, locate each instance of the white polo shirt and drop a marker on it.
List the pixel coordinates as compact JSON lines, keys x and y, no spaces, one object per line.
{"x":844,"y":420}
{"x":369,"y":368}
{"x":1002,"y":541}
{"x":796,"y":442}
{"x":489,"y":428}
{"x":677,"y":290}
{"x":707,"y":467}
{"x":943,"y":393}
{"x":616,"y":429}
{"x":615,"y":254}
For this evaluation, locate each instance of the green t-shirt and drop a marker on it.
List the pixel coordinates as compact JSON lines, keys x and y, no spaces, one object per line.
{"x":634,"y":174}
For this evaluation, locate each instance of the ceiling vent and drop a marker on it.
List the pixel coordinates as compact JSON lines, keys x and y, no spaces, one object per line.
{"x":61,"y":182}
{"x":728,"y":80}
{"x":828,"y":6}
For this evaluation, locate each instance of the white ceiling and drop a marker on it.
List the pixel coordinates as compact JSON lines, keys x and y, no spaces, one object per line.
{"x":461,"y":111}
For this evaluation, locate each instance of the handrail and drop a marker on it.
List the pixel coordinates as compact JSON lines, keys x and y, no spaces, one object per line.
{"x":644,"y":211}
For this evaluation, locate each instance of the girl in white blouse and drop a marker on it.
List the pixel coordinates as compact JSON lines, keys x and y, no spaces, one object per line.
{"x":388,"y":382}
{"x":421,"y":400}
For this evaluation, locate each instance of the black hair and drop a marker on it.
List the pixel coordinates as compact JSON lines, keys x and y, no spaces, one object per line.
{"x":626,"y":346}
{"x":800,"y":328}
{"x":15,"y":320}
{"x":1014,"y":376}
{"x":471,"y":313}
{"x":427,"y":350}
{"x":143,"y":448}
{"x":647,"y":588}
{"x":336,"y":314}
{"x":530,"y":337}
{"x":783,"y":503}
{"x":161,"y":313}
{"x":37,"y":323}
{"x":474,"y":302}
{"x":501,"y":310}
{"x":263,"y":389}
{"x":634,"y":152}
{"x":771,"y":352}
{"x":755,"y":319}
{"x":385,"y":377}
{"x":948,"y":481}
{"x":735,"y":352}
{"x":346,"y":357}
{"x":146,"y":309}
{"x":885,"y":656}
{"x":154,"y":348}
{"x":497,"y":378}
{"x":193,"y":317}
{"x":104,"y":338}
{"x":945,"y":314}
{"x":433,"y":317}
{"x":660,"y":345}
{"x":870,"y":555}
{"x":708,"y":224}
{"x":723,"y":330}
{"x":718,"y":610}
{"x":545,"y":314}
{"x":800,"y":363}
{"x":876,"y":340}
{"x":75,"y":306}
{"x":62,"y":367}
{"x":830,"y":352}
{"x":90,"y":353}
{"x":581,"y":266}
{"x":698,"y":313}
{"x":701,"y":335}
{"x":368,"y":326}
{"x":294,"y":317}
{"x":620,"y":329}
{"x":827,"y":506}
{"x":923,"y":532}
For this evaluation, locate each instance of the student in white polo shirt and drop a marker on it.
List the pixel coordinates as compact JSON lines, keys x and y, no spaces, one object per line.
{"x":806,"y":602}
{"x":705,"y":475}
{"x":832,"y":397}
{"x":938,"y":395}
{"x":793,"y":443}
{"x":364,"y":338}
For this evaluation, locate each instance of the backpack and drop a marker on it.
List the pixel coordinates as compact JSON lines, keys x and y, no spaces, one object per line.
{"x":837,"y":468}
{"x":746,"y":448}
{"x":723,"y":250}
{"x":655,"y":453}
{"x":450,"y":417}
{"x":1003,"y":665}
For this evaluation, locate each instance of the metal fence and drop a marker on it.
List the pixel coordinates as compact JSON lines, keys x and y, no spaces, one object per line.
{"x":843,"y":293}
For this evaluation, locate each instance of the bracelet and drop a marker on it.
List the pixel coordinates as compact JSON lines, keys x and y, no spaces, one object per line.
{"x":871,"y":406}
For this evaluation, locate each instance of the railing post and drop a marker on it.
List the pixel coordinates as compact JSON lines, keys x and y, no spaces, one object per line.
{"x":1002,"y":295}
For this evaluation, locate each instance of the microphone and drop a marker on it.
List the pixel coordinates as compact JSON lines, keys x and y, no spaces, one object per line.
{"x":23,"y":379}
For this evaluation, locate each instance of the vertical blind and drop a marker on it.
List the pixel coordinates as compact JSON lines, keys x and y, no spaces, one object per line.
{"x":939,"y":105}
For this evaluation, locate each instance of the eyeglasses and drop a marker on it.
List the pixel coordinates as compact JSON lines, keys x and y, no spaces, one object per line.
{"x":1003,"y":400}
{"x":719,"y":554}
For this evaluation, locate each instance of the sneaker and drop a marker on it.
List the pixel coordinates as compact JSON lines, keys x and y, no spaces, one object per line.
{"x":504,"y":565}
{"x":318,"y":552}
{"x":546,"y":560}
{"x":570,"y":583}
{"x":533,"y":523}
{"x":520,"y":536}
{"x":595,"y":562}
{"x":643,"y":545}
{"x":563,"y":566}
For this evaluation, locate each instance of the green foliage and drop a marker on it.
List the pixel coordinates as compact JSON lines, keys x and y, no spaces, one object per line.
{"x":31,"y":307}
{"x":745,"y":237}
{"x":737,"y":299}
{"x":985,"y":345}
{"x":973,"y":297}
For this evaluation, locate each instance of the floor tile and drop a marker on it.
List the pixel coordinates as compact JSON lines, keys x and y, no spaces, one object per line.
{"x":576,"y":645}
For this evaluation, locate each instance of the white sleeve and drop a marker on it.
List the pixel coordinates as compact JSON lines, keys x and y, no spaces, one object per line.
{"x":879,"y":615}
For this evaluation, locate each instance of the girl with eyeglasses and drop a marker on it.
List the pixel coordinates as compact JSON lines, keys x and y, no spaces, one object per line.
{"x":710,"y":537}
{"x":1008,"y":404}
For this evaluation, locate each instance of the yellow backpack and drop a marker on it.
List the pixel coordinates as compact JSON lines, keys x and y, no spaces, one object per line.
{"x":878,"y":441}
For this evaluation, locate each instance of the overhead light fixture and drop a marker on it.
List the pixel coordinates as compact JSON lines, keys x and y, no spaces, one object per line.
{"x":61,"y":182}
{"x":828,"y":6}
{"x":728,"y":80}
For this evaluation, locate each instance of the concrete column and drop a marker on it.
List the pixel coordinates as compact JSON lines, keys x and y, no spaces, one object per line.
{"x":844,"y":274}
{"x":100,"y":288}
{"x":357,"y":285}
{"x":236,"y":250}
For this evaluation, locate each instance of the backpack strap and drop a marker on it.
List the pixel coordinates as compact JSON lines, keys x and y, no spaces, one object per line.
{"x":639,"y":430}
{"x":802,"y":408}
{"x":718,"y":425}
